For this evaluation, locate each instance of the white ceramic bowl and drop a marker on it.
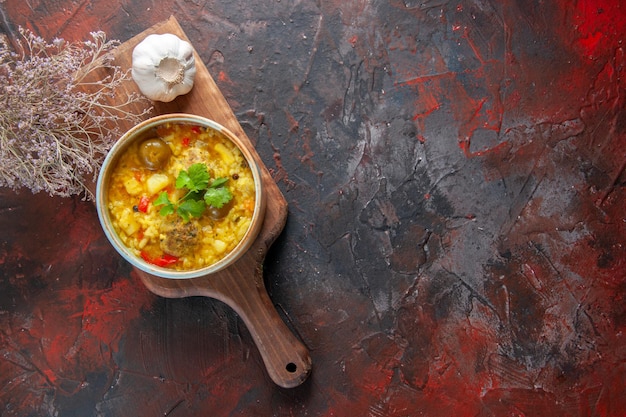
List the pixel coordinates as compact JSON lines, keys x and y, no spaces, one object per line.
{"x":139,"y":133}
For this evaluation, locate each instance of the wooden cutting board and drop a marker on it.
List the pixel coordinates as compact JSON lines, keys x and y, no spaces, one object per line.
{"x":241,"y":285}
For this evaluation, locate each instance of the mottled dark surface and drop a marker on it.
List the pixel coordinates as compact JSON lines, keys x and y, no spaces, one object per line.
{"x":455,"y":173}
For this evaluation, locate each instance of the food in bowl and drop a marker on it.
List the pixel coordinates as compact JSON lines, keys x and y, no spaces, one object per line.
{"x":181,"y":196}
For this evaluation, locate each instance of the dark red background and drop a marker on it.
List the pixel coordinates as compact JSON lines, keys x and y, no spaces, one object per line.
{"x":455,"y":172}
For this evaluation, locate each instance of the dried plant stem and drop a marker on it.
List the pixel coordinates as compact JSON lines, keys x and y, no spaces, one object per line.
{"x":57,"y":124}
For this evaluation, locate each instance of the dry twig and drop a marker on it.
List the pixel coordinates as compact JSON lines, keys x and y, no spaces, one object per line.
{"x":56,"y":125}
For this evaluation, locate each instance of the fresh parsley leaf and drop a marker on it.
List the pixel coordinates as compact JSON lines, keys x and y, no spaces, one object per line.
{"x":166,"y":210}
{"x":217,"y":195}
{"x":195,"y":195}
{"x":196,"y":178}
{"x":164,"y":200}
{"x":218,"y":182}
{"x":201,"y":192}
{"x":193,"y":208}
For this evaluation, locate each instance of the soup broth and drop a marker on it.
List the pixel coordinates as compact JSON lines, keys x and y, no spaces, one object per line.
{"x":150,"y":167}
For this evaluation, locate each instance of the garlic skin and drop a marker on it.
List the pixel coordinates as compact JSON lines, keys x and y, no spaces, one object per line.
{"x":163,"y":67}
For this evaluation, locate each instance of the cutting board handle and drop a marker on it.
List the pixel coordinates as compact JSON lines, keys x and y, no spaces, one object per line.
{"x":286,"y":359}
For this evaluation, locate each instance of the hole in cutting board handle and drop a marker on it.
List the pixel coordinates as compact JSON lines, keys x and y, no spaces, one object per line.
{"x":291,"y":367}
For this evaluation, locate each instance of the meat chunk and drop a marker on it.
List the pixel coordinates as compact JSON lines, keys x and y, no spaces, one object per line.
{"x":177,"y":237}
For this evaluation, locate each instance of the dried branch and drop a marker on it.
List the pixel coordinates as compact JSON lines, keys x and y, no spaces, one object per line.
{"x":56,"y":123}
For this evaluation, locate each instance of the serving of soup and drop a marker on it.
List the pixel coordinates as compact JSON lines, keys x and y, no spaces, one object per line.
{"x":181,"y":197}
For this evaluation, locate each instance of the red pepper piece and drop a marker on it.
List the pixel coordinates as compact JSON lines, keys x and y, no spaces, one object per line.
{"x":195,"y":129}
{"x":163,"y":260}
{"x":144,"y":202}
{"x":186,"y":141}
{"x":146,"y":257}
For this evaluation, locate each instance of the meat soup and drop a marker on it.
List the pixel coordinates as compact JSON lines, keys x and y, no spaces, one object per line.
{"x":182,"y":197}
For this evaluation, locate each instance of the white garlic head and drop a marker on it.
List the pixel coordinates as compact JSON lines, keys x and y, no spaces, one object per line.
{"x":163,"y":67}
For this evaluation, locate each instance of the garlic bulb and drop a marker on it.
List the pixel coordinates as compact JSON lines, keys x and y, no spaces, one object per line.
{"x":163,"y":67}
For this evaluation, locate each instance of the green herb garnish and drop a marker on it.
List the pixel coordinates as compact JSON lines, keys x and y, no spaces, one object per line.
{"x":195,"y":179}
{"x":201,"y":193}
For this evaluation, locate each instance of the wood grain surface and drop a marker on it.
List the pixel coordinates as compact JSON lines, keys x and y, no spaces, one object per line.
{"x":241,"y":285}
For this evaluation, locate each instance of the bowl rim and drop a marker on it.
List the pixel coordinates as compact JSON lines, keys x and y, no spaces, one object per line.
{"x":103,"y":214}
